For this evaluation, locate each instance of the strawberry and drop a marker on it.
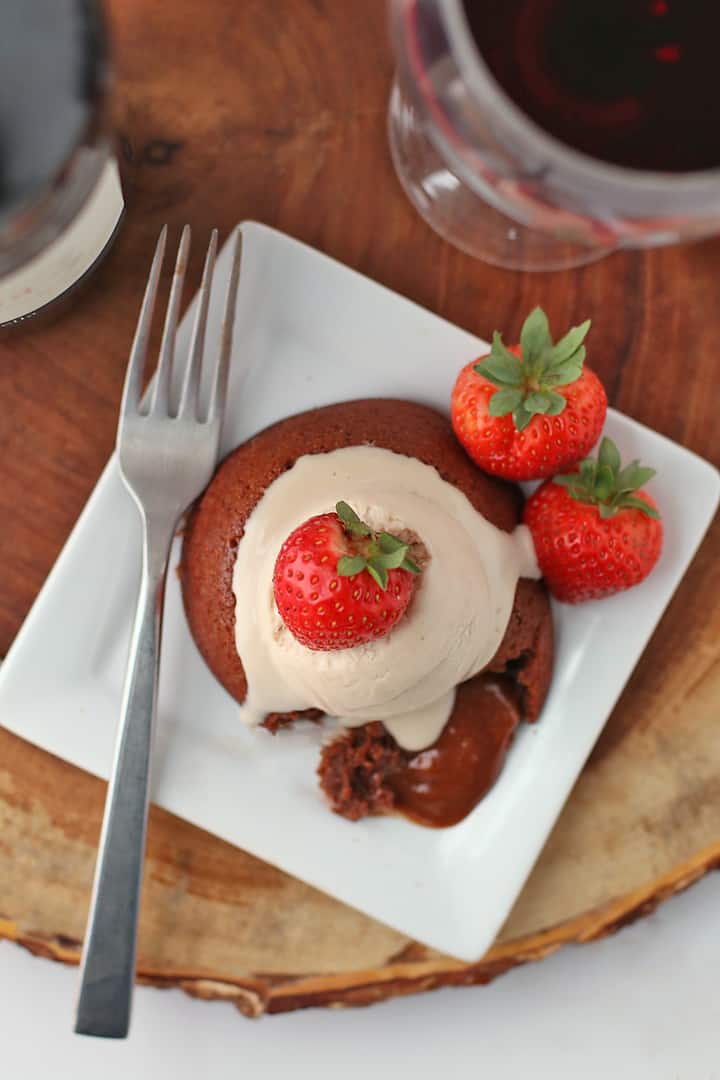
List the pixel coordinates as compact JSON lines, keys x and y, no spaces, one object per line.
{"x":338,"y":584}
{"x":596,"y":532}
{"x":533,"y":410}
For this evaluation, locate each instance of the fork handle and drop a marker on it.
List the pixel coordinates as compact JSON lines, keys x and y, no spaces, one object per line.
{"x":108,"y":960}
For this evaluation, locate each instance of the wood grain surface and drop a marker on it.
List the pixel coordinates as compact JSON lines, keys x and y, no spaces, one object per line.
{"x":276,"y":111}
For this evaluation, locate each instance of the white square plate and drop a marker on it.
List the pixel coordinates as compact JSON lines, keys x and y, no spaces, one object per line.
{"x":311,"y":332}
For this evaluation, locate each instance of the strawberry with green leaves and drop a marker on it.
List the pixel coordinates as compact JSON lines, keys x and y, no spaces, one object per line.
{"x":596,"y":531}
{"x":530,"y":411}
{"x":338,"y":584}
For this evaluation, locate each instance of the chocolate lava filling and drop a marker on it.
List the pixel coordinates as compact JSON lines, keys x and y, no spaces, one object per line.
{"x":364,"y":771}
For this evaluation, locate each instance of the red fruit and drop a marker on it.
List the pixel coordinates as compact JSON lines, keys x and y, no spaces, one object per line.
{"x":530,"y":411}
{"x":595,"y":531}
{"x":337,"y":584}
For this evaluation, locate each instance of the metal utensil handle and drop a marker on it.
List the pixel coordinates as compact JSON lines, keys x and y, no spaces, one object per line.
{"x":108,"y":960}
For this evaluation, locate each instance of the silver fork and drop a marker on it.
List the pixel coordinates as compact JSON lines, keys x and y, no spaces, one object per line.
{"x":166,"y":459}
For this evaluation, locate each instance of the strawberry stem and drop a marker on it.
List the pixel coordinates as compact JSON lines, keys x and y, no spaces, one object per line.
{"x":379,"y":552}
{"x":602,"y":482}
{"x":527,"y":386}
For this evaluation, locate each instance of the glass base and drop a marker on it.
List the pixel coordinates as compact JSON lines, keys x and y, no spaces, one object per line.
{"x":461,"y":216}
{"x":45,"y":285}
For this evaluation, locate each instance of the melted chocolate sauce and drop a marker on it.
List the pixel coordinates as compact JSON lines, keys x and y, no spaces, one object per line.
{"x":441,"y":785}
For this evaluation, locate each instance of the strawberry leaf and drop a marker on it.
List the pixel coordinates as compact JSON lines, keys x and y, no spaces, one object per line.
{"x":568,"y":346}
{"x":588,"y":472}
{"x":408,"y":564}
{"x":379,"y":574}
{"x":609,"y":455}
{"x":537,"y":402}
{"x":521,"y":417}
{"x":566,"y":373}
{"x":499,"y":348}
{"x":504,"y":401}
{"x":387,"y":542}
{"x":351,"y":521}
{"x":501,"y":368}
{"x":535,"y":336}
{"x":630,"y":502}
{"x":557,"y":403}
{"x":481,"y":370}
{"x":604,"y":484}
{"x":350,"y":564}
{"x":555,"y":362}
{"x":390,"y":560}
{"x":634,"y":476}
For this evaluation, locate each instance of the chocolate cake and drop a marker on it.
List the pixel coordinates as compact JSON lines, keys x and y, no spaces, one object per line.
{"x":216,"y":525}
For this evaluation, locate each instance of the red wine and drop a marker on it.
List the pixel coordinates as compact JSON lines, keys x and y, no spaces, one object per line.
{"x":634,"y":82}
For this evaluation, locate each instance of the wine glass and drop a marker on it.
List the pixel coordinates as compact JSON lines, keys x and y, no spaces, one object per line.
{"x":497,"y":184}
{"x":60,"y":197}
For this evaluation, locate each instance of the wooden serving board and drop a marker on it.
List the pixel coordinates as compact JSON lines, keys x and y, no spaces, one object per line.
{"x":642,"y":823}
{"x":276,"y":112}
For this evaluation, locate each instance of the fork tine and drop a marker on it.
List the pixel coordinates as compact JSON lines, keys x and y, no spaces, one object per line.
{"x":216,"y":408}
{"x":160,"y":403}
{"x":189,"y":397}
{"x":138,"y":352}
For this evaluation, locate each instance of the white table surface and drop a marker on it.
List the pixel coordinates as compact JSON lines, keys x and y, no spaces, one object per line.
{"x":642,"y":1004}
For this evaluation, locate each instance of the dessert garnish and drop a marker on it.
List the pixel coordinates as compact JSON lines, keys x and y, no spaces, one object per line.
{"x":532,"y":410}
{"x":338,"y":584}
{"x":596,"y":531}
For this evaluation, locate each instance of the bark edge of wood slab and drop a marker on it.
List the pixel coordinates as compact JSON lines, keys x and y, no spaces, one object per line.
{"x":408,"y":973}
{"x":643,"y":821}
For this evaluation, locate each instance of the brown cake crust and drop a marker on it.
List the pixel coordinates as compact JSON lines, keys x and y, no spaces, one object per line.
{"x":216,"y":525}
{"x":527,"y":650}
